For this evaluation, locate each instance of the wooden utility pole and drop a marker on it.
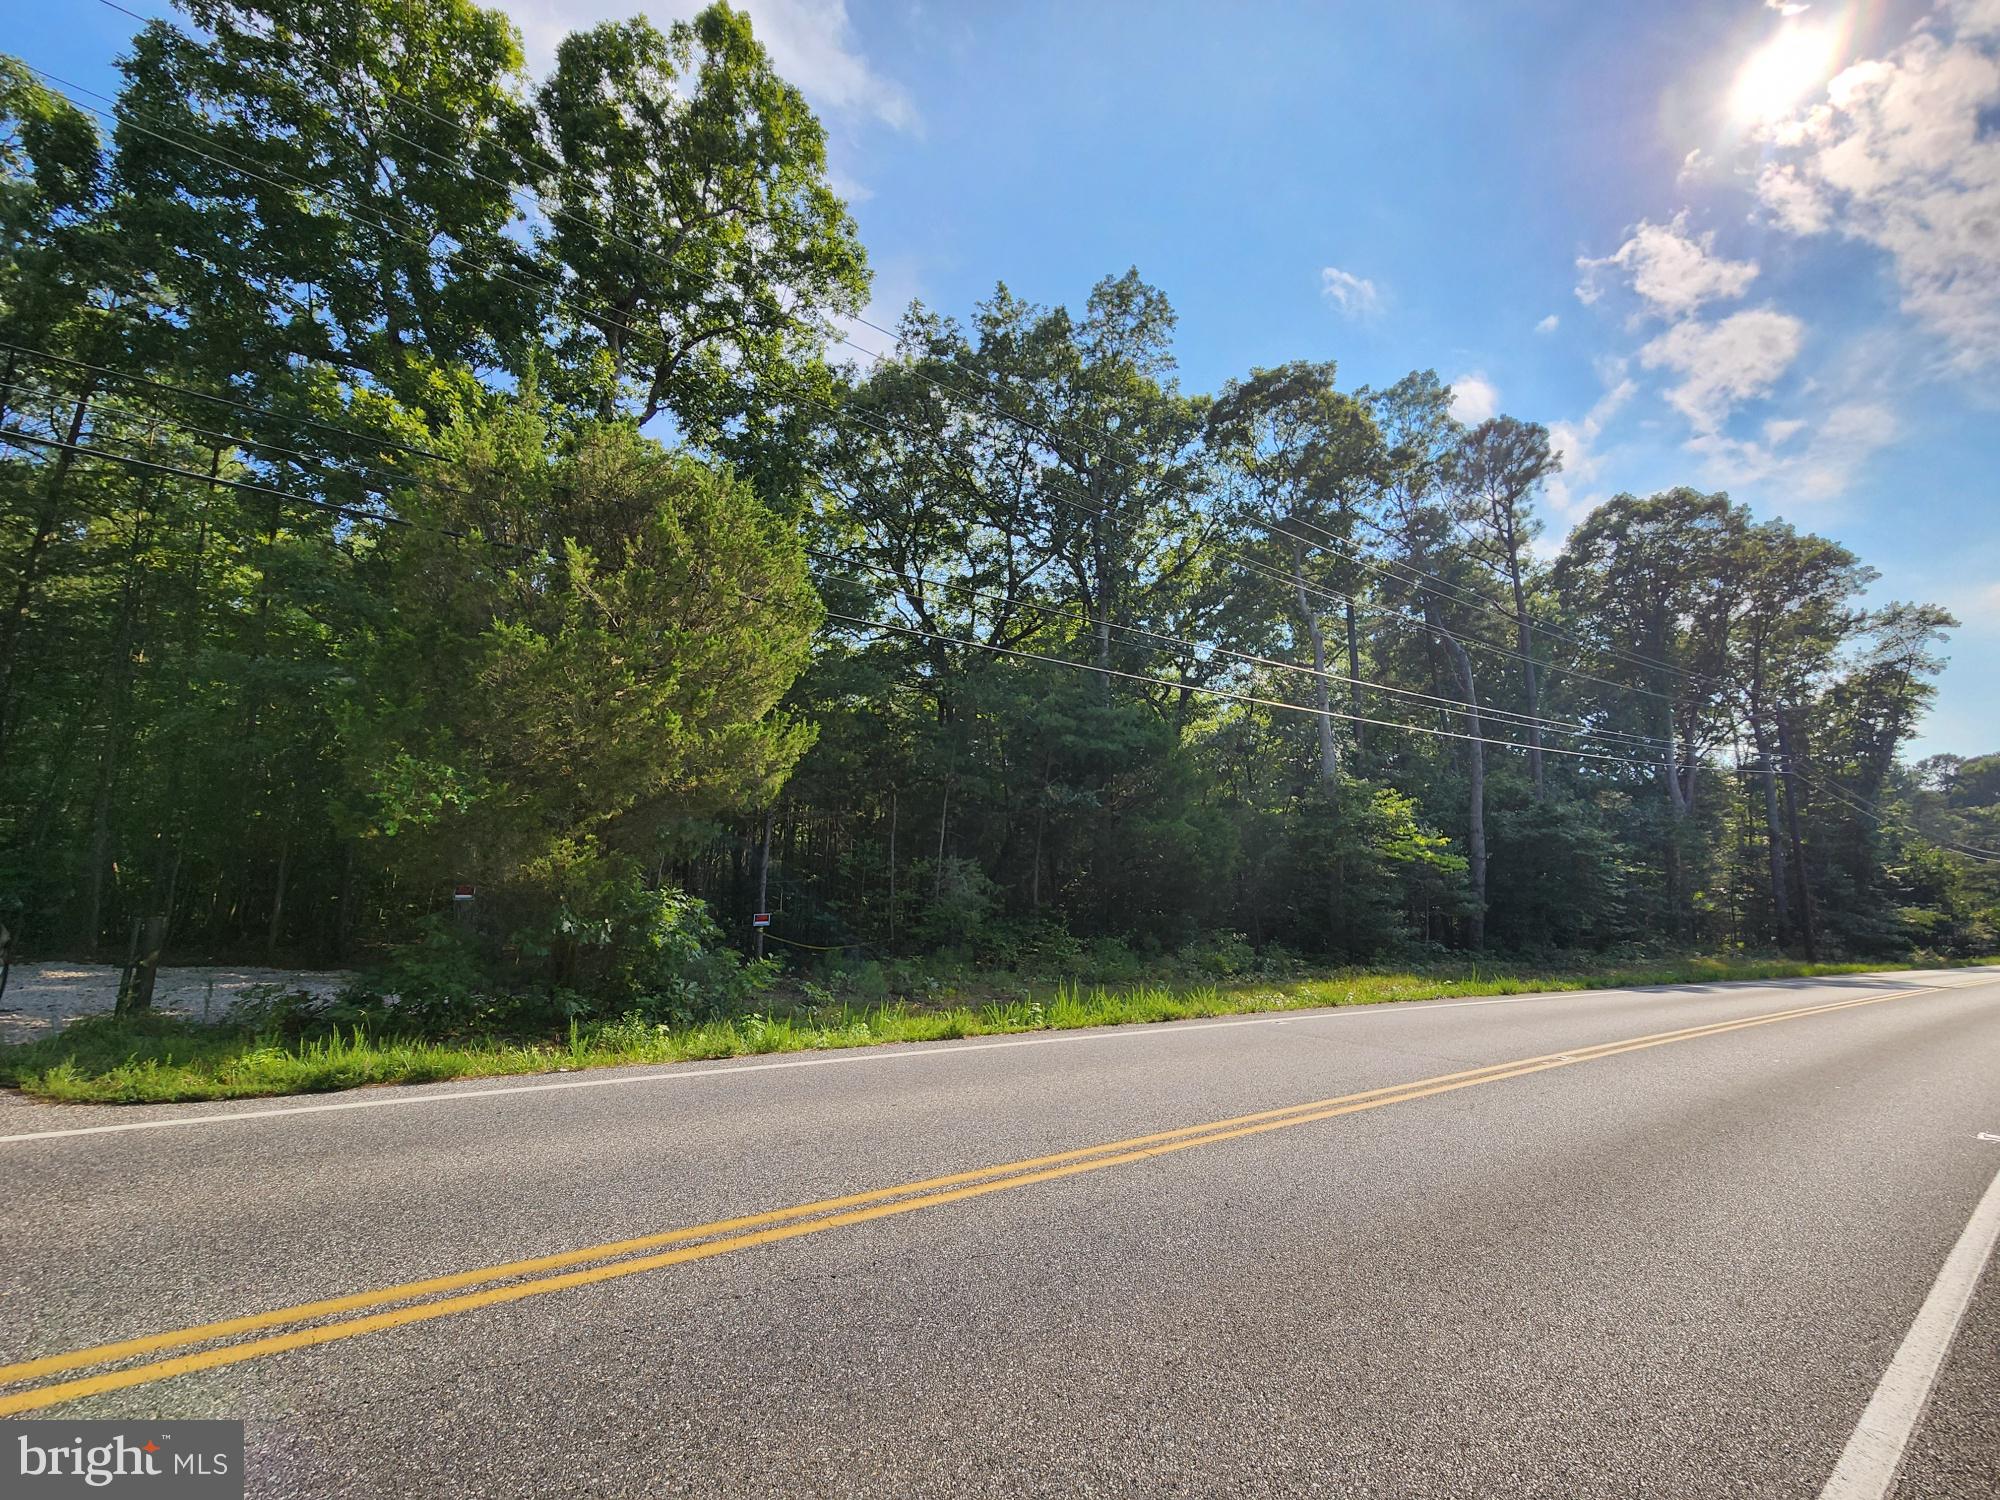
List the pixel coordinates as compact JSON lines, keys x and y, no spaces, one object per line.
{"x":764,"y":879}
{"x":892,"y":869}
{"x":1807,"y":935}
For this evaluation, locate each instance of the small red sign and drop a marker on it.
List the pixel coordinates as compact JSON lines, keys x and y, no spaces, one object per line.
{"x":761,"y":919}
{"x":461,"y":893}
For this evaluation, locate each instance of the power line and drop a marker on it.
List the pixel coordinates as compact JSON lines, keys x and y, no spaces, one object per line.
{"x":352,"y":512}
{"x":234,"y":440}
{"x":860,"y":622}
{"x":549,"y":287}
{"x":555,"y":212}
{"x":1840,"y":793}
{"x":1455,"y":705}
{"x":243,"y":406}
{"x":415,"y":235}
{"x":153,"y":466}
{"x":1467,"y":595}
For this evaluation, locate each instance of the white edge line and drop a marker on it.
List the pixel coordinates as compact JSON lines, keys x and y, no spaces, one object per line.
{"x":674,"y":1072}
{"x":1874,"y":1454}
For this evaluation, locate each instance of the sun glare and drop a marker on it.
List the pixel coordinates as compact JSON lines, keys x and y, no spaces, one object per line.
{"x":1782,"y":71}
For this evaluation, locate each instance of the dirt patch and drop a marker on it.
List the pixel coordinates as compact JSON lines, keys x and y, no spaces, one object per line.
{"x":44,"y":998}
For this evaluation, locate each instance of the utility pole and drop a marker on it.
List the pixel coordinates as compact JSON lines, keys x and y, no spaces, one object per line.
{"x":1806,"y":933}
{"x":764,"y":879}
{"x":892,"y":869}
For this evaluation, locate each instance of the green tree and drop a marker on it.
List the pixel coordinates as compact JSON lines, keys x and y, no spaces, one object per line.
{"x":698,"y":245}
{"x":1499,"y":466}
{"x":1656,"y":583}
{"x":575,"y":652}
{"x":1303,"y":455}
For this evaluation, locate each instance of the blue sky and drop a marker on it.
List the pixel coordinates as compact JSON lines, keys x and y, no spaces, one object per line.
{"x":1751,"y":246}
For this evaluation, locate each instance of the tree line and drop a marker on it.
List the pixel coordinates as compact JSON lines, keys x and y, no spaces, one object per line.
{"x":414,"y":477}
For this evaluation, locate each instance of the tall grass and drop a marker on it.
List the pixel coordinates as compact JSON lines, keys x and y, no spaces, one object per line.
{"x":158,"y":1059}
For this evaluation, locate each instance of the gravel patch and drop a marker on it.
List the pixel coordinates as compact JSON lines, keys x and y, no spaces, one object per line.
{"x":41,"y":999}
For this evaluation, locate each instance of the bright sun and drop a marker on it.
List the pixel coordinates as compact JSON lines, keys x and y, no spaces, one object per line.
{"x":1775,"y":76}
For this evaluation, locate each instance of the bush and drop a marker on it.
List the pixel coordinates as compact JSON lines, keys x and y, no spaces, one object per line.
{"x":1222,"y":956}
{"x":963,"y":904}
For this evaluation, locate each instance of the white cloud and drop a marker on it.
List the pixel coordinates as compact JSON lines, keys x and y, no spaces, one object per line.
{"x":1725,"y":363}
{"x":895,"y":282}
{"x":1568,"y":493}
{"x":811,"y":43}
{"x":1548,"y":324}
{"x":1694,"y":166}
{"x":1823,"y":467}
{"x":1473,"y":398}
{"x":1674,"y":272}
{"x":1903,"y":154}
{"x":1350,"y":295}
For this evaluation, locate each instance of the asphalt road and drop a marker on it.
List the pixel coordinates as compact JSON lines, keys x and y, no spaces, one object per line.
{"x":1678,"y":1268}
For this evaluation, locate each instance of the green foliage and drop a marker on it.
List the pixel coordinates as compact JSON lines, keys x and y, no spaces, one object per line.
{"x":530,"y":718}
{"x":408,"y":592}
{"x":155,"y":1059}
{"x":697,"y":232}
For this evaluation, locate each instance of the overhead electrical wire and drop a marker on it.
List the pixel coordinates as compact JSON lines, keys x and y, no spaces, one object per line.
{"x":863,"y":623}
{"x":216,"y":436}
{"x":551,"y":288}
{"x":127,"y":376}
{"x":1461,"y":594}
{"x":1498,"y":715}
{"x":1507,"y":717}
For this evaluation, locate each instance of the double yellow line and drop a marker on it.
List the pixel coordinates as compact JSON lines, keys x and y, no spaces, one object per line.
{"x":423,"y":1301}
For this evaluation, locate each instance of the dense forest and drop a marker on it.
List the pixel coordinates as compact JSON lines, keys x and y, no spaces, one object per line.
{"x":420,"y":477}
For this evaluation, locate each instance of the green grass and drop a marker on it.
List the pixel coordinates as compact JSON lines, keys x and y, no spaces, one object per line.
{"x":156,"y":1059}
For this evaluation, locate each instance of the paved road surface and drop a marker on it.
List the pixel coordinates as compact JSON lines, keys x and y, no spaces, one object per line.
{"x":1677,"y":1267}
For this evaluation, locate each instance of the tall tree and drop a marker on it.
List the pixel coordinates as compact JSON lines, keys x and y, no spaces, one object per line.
{"x":1501,"y":464}
{"x":1423,"y":511}
{"x":1794,"y":590}
{"x":697,"y":244}
{"x":1657,"y":581}
{"x":1304,"y":455}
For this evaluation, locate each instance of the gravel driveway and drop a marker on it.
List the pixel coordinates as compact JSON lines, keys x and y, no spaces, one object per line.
{"x":43,"y":998}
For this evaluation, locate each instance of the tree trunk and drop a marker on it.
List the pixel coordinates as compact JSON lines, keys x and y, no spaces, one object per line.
{"x":100,"y":844}
{"x":47,"y":526}
{"x":1354,"y":681}
{"x":1774,"y":833}
{"x":1524,"y":636}
{"x":937,"y":874}
{"x":343,"y":917}
{"x":892,"y":869}
{"x":278,"y":901}
{"x":1329,"y":752}
{"x":1678,"y":809}
{"x":1041,"y":827}
{"x":1100,"y":560}
{"x":114,"y":738}
{"x":1808,"y":936}
{"x":1475,"y":837}
{"x":147,"y":975}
